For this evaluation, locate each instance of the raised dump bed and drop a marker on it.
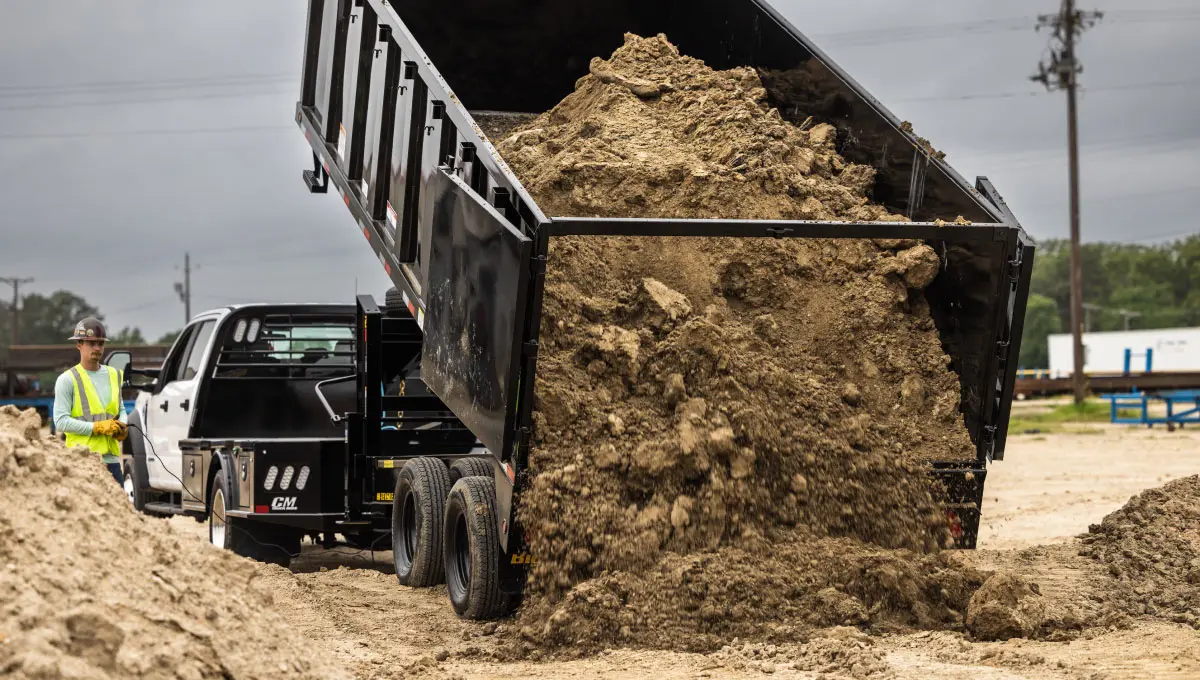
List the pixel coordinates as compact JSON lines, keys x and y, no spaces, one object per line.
{"x":398,"y":102}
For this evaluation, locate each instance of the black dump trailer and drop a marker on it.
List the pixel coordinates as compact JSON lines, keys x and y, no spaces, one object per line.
{"x":391,"y":101}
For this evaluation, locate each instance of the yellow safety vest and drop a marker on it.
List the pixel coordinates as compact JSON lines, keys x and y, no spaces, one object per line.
{"x":86,"y":406}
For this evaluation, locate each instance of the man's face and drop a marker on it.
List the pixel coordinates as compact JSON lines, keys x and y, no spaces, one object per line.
{"x":91,"y":349}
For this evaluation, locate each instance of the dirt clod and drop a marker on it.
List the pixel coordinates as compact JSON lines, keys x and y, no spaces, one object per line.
{"x":1005,"y":607}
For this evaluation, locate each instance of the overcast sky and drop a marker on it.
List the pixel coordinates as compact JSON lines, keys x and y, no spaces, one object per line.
{"x":98,"y":200}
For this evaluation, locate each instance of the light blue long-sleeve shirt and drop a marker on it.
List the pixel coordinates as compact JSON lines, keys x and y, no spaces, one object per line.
{"x":64,"y":396}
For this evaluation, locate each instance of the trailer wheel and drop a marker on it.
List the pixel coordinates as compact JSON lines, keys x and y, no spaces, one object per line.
{"x":473,"y":550}
{"x":470,"y":467}
{"x":393,"y":303}
{"x":417,"y":508}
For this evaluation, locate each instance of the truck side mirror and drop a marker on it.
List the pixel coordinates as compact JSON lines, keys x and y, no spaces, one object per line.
{"x":120,"y":360}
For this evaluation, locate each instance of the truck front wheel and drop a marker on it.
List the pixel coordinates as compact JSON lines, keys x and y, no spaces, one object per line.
{"x":417,"y":508}
{"x":473,"y":550}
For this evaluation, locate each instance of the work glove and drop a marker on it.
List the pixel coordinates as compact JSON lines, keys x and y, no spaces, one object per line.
{"x":107,"y":428}
{"x":123,"y":433}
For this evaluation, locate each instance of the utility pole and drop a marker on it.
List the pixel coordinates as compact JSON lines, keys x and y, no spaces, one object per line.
{"x":1060,"y":72}
{"x":15,"y":282}
{"x":185,"y":289}
{"x":14,"y":314}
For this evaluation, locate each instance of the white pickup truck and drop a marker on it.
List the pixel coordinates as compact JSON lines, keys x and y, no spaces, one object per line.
{"x":257,"y":423}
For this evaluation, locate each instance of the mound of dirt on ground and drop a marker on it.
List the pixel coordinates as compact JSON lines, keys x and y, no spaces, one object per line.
{"x":91,"y":589}
{"x":774,"y":592}
{"x":1151,"y":549}
{"x":708,"y":410}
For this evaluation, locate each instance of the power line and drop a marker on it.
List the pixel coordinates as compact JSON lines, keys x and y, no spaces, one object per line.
{"x":885,"y":36}
{"x":154,"y":100}
{"x":1034,"y":93}
{"x":147,"y":132}
{"x":144,"y":305}
{"x":139,"y":84}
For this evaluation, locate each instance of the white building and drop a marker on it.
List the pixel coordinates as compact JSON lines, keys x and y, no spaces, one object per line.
{"x":1171,"y":350}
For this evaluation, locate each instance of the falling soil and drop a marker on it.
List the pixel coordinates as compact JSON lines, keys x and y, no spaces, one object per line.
{"x":1151,"y":550}
{"x":712,"y":414}
{"x":92,"y":589}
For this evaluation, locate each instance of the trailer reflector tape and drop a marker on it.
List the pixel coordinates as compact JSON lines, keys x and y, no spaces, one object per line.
{"x":341,"y":141}
{"x":302,"y":478}
{"x":421,"y":319}
{"x":392,"y":218}
{"x":387,"y":464}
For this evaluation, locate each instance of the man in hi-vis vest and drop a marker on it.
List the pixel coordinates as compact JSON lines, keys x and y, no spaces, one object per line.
{"x":88,"y":408}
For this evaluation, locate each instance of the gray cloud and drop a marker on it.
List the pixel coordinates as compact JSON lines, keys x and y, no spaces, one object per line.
{"x":110,"y":216}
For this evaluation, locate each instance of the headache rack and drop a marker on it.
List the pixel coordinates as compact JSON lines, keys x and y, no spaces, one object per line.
{"x":391,"y":103}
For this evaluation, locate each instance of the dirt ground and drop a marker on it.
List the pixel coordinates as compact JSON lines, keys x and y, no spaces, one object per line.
{"x":1047,"y":490}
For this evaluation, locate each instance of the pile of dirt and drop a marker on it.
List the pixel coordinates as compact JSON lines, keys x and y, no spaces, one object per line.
{"x":653,"y":133}
{"x":775,"y":592}
{"x":712,"y":413}
{"x":1151,"y":550}
{"x":92,"y":589}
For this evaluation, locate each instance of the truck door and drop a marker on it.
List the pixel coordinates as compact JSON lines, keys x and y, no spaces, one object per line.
{"x":172,"y":405}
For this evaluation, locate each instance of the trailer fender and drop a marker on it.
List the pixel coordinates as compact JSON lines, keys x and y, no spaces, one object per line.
{"x":504,"y":504}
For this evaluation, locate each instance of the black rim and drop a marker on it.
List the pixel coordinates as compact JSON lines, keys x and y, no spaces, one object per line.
{"x":462,"y":554}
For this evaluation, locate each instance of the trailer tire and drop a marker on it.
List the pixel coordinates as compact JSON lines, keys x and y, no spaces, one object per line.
{"x":470,"y":467}
{"x":393,"y":303}
{"x":473,"y":550}
{"x":418,"y":505}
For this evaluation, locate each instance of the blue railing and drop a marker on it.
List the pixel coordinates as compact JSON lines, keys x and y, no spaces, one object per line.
{"x":1140,"y":402}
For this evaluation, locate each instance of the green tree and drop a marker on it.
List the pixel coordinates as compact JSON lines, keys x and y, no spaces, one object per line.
{"x":128,"y":336}
{"x":1041,"y":320}
{"x":169,"y":337}
{"x":49,"y":320}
